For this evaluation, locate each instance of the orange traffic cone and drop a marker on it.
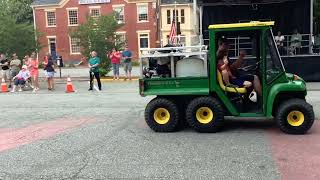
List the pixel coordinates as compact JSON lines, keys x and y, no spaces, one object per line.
{"x":69,"y":88}
{"x":4,"y":87}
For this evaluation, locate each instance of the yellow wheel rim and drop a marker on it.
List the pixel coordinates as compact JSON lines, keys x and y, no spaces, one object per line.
{"x":161,"y":116}
{"x":204,"y":115}
{"x":295,"y":118}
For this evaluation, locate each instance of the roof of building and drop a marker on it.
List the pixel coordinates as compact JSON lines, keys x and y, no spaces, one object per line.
{"x":176,"y":1}
{"x":241,"y":25}
{"x":45,"y":2}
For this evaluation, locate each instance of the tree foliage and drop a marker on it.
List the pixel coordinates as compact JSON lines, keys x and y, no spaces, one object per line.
{"x":98,"y":34}
{"x":19,"y":10}
{"x":16,"y":37}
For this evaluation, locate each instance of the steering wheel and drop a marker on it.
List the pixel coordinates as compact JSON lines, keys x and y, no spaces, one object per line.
{"x":253,"y":67}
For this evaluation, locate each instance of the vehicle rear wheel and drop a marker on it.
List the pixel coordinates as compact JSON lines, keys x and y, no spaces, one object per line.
{"x":162,"y":115}
{"x":205,"y":114}
{"x":295,"y":116}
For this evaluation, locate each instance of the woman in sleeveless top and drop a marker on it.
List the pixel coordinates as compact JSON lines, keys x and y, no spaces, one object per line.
{"x":34,"y":72}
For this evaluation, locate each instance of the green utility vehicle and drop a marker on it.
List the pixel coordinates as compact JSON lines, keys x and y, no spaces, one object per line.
{"x":189,"y":87}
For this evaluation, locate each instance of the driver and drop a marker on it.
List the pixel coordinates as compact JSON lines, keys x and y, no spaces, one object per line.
{"x":230,"y":72}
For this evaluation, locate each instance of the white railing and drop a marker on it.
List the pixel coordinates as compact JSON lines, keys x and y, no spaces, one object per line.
{"x":244,"y":43}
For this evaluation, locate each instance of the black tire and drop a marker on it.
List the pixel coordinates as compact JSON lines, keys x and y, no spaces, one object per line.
{"x":171,"y":124}
{"x":289,"y":113}
{"x":214,"y":124}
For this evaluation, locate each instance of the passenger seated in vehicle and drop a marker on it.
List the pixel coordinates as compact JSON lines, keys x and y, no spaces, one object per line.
{"x":228,"y":77}
{"x":230,"y":71}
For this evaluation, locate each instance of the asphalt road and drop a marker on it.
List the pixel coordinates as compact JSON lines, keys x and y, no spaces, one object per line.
{"x":92,"y":135}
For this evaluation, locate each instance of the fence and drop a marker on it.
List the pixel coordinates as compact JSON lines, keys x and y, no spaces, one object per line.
{"x":245,"y":43}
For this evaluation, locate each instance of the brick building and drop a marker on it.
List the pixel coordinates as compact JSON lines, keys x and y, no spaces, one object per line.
{"x":54,"y":18}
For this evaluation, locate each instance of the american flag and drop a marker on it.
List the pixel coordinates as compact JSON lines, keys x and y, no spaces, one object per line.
{"x":173,"y":34}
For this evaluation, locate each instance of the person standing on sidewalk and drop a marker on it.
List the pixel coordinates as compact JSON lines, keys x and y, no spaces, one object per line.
{"x":127,"y":62}
{"x":15,"y":65}
{"x":34,"y":71}
{"x":115,"y":57}
{"x":49,"y":68}
{"x":94,"y":63}
{"x":5,"y":70}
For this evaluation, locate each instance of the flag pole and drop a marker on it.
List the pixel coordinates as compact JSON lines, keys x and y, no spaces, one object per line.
{"x":175,"y":20}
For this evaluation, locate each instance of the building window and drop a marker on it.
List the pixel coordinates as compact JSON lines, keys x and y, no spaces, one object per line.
{"x":75,"y":46}
{"x":120,"y":38}
{"x":73,"y":17}
{"x":182,"y":16}
{"x":51,"y":19}
{"x":95,"y":13}
{"x":142,"y":12}
{"x":168,"y":17}
{"x":119,"y":14}
{"x":176,"y":15}
{"x":143,"y":40}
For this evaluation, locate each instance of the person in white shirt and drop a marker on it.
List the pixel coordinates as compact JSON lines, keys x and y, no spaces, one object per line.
{"x":279,"y":41}
{"x":21,"y":78}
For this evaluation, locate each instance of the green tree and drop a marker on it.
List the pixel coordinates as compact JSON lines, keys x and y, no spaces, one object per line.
{"x":16,"y":37}
{"x":19,"y":10}
{"x":98,"y":34}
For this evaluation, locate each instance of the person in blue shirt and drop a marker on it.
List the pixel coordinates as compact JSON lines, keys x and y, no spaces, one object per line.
{"x":94,"y":63}
{"x":127,"y":63}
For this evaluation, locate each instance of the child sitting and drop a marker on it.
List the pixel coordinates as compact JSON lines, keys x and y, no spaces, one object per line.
{"x":21,"y":78}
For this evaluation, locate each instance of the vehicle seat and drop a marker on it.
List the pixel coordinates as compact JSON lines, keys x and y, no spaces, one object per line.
{"x":229,"y":89}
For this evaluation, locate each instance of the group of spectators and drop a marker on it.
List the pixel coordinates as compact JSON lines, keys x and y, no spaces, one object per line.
{"x":115,"y":56}
{"x":294,"y":46}
{"x":25,"y":72}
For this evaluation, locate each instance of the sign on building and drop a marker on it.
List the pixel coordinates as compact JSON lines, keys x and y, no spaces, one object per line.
{"x":93,"y":1}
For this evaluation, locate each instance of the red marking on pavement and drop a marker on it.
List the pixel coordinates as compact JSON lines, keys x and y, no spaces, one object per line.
{"x":297,"y":156}
{"x":142,"y":124}
{"x":12,"y":138}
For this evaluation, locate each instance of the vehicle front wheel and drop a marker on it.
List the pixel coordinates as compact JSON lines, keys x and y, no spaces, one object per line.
{"x":205,"y":114}
{"x":162,"y":115}
{"x":295,"y":116}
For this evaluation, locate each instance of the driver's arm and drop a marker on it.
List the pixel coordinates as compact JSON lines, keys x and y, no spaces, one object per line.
{"x":237,"y":64}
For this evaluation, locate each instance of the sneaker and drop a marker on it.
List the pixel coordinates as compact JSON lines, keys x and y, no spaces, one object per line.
{"x":20,"y":90}
{"x":34,"y":90}
{"x":12,"y":91}
{"x":90,"y":89}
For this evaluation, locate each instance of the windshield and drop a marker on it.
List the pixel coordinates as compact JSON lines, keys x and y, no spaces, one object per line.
{"x":274,"y":63}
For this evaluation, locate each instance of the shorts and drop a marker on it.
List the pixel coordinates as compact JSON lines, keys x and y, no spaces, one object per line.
{"x":19,"y":82}
{"x":239,"y":81}
{"x":5,"y":73}
{"x":13,"y":73}
{"x":115,"y":68}
{"x":50,"y":74}
{"x":127,"y":66}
